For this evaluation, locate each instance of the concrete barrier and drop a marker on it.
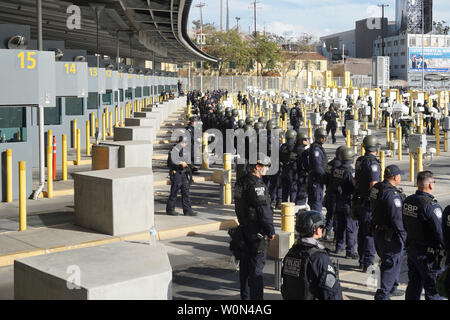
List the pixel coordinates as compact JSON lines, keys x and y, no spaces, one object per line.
{"x":140,"y":122}
{"x":115,"y":201}
{"x":118,"y":271}
{"x":105,"y":157}
{"x":133,"y":153}
{"x":158,"y":115}
{"x":134,"y":134}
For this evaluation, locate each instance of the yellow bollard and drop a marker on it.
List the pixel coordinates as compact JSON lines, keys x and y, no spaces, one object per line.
{"x":419,"y":160}
{"x":411,"y":167}
{"x":288,"y":220}
{"x":107,"y":117}
{"x":121,"y":118}
{"x":391,"y":144}
{"x":116,"y":119}
{"x":78,"y":147}
{"x":110,"y":124}
{"x":92,"y":124}
{"x":64,"y":157}
{"x":400,"y":147}
{"x":309,"y":129}
{"x":382,"y":163}
{"x":103,"y":127}
{"x":421,"y":123}
{"x":88,"y":139}
{"x":227,"y":166}
{"x":49,"y":172}
{"x":363,"y":152}
{"x":387,"y":129}
{"x":205,"y":151}
{"x":348,"y":139}
{"x":438,"y":138}
{"x":9,"y":175}
{"x":50,"y":137}
{"x":22,"y":196}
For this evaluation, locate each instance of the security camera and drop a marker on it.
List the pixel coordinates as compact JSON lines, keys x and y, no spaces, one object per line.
{"x":17,"y":42}
{"x":130,"y":70}
{"x":58,"y":53}
{"x":79,"y":59}
{"x":109,"y":66}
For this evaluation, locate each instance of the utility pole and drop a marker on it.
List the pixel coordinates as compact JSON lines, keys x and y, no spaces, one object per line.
{"x":254,"y":17}
{"x":423,"y":56}
{"x":343,"y":55}
{"x":200,"y":6}
{"x":237,"y":23}
{"x":382,"y":26}
{"x":228,"y":17}
{"x":221,"y":15}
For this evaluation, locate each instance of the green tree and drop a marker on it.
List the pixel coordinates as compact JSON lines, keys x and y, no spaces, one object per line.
{"x":440,"y":27}
{"x":266,"y":53}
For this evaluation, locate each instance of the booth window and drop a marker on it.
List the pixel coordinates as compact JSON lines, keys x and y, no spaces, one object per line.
{"x":74,"y":106}
{"x":107,"y":98}
{"x":52,"y":116}
{"x":138,"y":92}
{"x":116,"y":96}
{"x":92,"y":100}
{"x":129,"y":94}
{"x":13,"y":124}
{"x":146,"y":91}
{"x":121,"y":95}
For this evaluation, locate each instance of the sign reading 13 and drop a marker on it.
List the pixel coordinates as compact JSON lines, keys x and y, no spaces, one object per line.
{"x":70,"y":68}
{"x":93,"y":72}
{"x":31,"y":61}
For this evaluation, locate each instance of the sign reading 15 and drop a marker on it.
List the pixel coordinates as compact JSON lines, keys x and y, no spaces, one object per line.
{"x":31,"y":61}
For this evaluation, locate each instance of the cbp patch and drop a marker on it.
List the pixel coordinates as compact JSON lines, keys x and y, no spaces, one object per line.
{"x":330,"y":281}
{"x":438,"y":213}
{"x":260,"y":191}
{"x":317,"y":154}
{"x":374,"y":168}
{"x":398,"y":203}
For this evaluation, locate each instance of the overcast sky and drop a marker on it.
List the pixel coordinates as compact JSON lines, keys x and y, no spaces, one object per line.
{"x":319,"y":17}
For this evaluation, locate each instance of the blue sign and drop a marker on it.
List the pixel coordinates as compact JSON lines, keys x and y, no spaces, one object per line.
{"x":436,"y":59}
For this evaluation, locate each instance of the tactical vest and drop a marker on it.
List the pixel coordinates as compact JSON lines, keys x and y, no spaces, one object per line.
{"x":244,"y":212}
{"x":418,"y":231}
{"x":294,"y":273}
{"x":288,"y":157}
{"x":340,"y":182}
{"x":312,"y":156}
{"x":362,"y":188}
{"x":376,"y":205}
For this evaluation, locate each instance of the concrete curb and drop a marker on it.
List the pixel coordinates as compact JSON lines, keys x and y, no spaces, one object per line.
{"x":8,"y":259}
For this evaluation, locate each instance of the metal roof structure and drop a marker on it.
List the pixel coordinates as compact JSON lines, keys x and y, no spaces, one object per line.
{"x":146,"y":27}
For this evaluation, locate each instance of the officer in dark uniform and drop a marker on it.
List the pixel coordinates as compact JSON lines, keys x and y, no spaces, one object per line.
{"x":446,"y":233}
{"x":245,"y":103}
{"x":288,"y":159}
{"x":330,"y":117}
{"x":239,"y":97}
{"x":427,"y":119}
{"x":367,"y":174}
{"x":193,"y":121}
{"x":255,"y":216}
{"x":343,"y":181}
{"x":250,"y":121}
{"x":422,"y":218}
{"x":307,"y":272}
{"x":301,"y":182}
{"x":180,"y":178}
{"x":386,"y":202}
{"x":317,"y":176}
{"x":330,"y":193}
{"x":295,"y":116}
{"x":284,"y":109}
{"x":347,"y":116}
{"x":272,"y":180}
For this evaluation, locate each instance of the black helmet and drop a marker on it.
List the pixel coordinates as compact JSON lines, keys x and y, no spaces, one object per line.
{"x":301,"y":135}
{"x":338,"y":152}
{"x":247,"y":127}
{"x":320,"y":133}
{"x":307,"y":223}
{"x":228,"y":113}
{"x":370,"y":143}
{"x":291,"y":134}
{"x":270,"y":125}
{"x":228,"y":109}
{"x":346,"y":154}
{"x":235,"y":112}
{"x":249,"y":120}
{"x":259,"y":126}
{"x":241,"y":123}
{"x":262,"y":120}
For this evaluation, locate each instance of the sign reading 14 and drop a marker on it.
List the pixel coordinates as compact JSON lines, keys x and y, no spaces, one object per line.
{"x":71,"y":68}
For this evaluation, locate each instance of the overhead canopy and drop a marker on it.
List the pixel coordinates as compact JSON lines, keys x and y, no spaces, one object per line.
{"x":156,"y":27}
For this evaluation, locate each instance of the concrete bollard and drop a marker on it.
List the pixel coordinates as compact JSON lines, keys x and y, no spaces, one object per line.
{"x":288,"y":220}
{"x":9,"y":175}
{"x":22,"y":196}
{"x":227,"y":166}
{"x":64,"y":157}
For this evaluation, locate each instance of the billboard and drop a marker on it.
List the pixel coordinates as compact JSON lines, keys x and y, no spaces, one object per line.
{"x":435,"y":59}
{"x":409,"y":15}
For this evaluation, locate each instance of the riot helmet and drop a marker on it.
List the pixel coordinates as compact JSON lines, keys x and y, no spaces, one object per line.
{"x":307,"y":223}
{"x":370,"y":143}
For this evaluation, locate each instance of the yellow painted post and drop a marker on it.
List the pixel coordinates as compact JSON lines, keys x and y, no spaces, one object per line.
{"x":419,"y":160}
{"x":400,"y":147}
{"x":103,"y":127}
{"x":22,"y":196}
{"x":64,"y":157}
{"x":88,"y":139}
{"x":227,"y":166}
{"x":49,"y":173}
{"x":362,"y":150}
{"x":438,"y":137}
{"x":78,"y":147}
{"x":347,"y":139}
{"x":92,"y":124}
{"x":205,"y":151}
{"x":411,"y":167}
{"x":110,"y":124}
{"x":288,"y":220}
{"x":421,"y":123}
{"x":74,"y":133}
{"x":116,"y":119}
{"x":391,"y":144}
{"x":9,"y":190}
{"x":382,"y":163}
{"x":309,"y":129}
{"x":122,"y":124}
{"x":107,"y":117}
{"x":387,"y":129}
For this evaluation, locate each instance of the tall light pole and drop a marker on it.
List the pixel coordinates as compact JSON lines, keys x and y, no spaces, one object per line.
{"x":237,"y":23}
{"x":221,"y":15}
{"x":382,"y":26}
{"x":200,"y":6}
{"x":423,"y":56}
{"x":228,"y":17}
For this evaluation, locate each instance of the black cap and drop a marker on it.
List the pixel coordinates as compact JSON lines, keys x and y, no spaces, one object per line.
{"x":392,"y":171}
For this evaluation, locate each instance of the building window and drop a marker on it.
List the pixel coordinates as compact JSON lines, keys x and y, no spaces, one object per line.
{"x":389,"y":43}
{"x":93,"y":101}
{"x":107,"y":98}
{"x":13,"y":124}
{"x":403,"y":53}
{"x":146,"y":91}
{"x":74,"y":106}
{"x":412,"y":42}
{"x":129,"y":94}
{"x":138,"y":92}
{"x":403,"y":66}
{"x":402,"y":42}
{"x":448,"y":42}
{"x":292,"y":66}
{"x":52,"y":116}
{"x":396,"y":54}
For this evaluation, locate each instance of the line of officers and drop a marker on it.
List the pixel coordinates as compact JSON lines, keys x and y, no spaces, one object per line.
{"x":362,"y":208}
